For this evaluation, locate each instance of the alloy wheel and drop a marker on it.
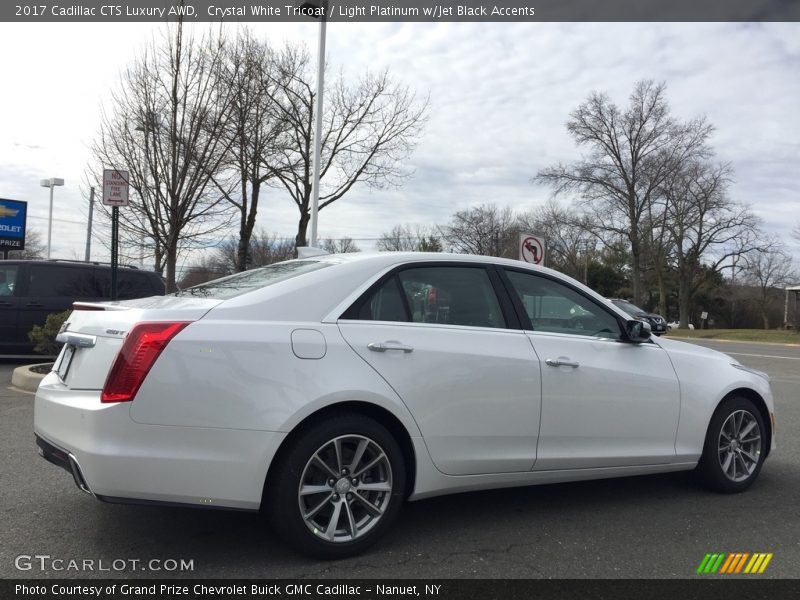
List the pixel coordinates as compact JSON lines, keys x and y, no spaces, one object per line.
{"x":345,"y":488}
{"x":739,"y":445}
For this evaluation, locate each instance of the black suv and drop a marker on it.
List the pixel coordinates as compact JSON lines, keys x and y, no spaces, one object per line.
{"x":658,"y":324}
{"x":32,"y":289}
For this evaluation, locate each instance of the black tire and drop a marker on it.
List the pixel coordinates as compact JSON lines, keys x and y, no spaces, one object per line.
{"x":296,"y":466}
{"x":714,"y":470}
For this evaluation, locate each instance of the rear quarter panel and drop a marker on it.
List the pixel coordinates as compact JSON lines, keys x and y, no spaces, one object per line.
{"x":245,"y":375}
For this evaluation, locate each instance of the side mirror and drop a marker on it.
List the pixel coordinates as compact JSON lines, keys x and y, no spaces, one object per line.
{"x":637,"y":331}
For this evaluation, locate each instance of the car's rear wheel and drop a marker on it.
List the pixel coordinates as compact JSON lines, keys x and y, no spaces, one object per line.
{"x":338,"y":487}
{"x":735,"y":446}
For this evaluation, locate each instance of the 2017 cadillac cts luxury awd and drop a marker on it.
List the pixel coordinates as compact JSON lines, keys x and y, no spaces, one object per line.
{"x":330,"y":390}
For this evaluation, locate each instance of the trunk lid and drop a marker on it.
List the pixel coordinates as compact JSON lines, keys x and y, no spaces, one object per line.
{"x":94,"y":332}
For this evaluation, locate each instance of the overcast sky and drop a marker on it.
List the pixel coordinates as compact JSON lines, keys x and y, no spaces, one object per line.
{"x":500,"y":96}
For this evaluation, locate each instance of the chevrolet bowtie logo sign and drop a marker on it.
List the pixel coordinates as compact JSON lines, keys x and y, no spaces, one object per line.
{"x":734,"y":563}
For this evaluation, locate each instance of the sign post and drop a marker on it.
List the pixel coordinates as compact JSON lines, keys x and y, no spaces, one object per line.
{"x":115,"y":194}
{"x":531,"y":248}
{"x":13,"y":217}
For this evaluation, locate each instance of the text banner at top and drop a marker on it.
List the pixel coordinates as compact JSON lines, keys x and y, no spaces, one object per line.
{"x":404,"y":10}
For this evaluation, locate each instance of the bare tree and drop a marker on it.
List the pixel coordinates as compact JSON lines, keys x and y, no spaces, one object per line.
{"x":264,"y":249}
{"x":34,"y":247}
{"x":658,"y":246}
{"x":255,"y":131}
{"x":631,"y":153}
{"x":707,"y":228}
{"x":166,"y":128}
{"x":369,"y":130}
{"x":340,"y":246}
{"x":485,"y":230}
{"x":409,"y":238}
{"x":768,"y":269}
{"x":207,"y":268}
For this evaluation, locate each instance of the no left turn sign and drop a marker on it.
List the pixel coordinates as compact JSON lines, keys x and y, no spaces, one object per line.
{"x":531,"y":248}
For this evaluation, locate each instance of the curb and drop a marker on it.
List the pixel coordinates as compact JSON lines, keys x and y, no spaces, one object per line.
{"x":25,"y":379}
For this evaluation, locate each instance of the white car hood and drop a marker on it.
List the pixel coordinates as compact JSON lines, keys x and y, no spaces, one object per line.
{"x":687,"y":348}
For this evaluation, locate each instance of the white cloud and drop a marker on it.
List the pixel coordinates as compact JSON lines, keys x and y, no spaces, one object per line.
{"x":500,"y":96}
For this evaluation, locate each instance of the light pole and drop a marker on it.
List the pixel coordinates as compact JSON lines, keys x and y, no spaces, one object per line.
{"x":151,"y":123}
{"x":310,"y":5}
{"x":586,"y":245}
{"x":50,"y":183}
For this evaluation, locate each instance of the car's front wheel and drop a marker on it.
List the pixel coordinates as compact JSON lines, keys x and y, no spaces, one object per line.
{"x":338,"y":487}
{"x":735,"y":446}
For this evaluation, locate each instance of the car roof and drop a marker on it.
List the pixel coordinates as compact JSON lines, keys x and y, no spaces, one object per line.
{"x":389,"y":258}
{"x":58,"y":262}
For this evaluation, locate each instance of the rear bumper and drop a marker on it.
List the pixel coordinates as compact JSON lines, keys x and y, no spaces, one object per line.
{"x":112,"y":457}
{"x":64,"y":459}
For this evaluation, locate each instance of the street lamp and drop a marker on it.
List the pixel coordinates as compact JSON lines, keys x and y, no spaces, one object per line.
{"x":586,"y":245}
{"x":309,"y":6}
{"x":50,"y":183}
{"x":151,"y":123}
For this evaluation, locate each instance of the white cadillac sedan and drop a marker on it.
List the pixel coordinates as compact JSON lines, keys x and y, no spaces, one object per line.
{"x":329,"y":390}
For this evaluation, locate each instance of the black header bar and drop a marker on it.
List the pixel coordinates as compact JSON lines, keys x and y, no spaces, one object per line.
{"x":353,"y":11}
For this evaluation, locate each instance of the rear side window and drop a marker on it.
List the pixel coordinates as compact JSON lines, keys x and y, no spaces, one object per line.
{"x":53,"y":281}
{"x":247,"y":281}
{"x":445,"y":295}
{"x":8,"y":279}
{"x":385,"y":304}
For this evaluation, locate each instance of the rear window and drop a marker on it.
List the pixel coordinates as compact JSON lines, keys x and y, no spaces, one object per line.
{"x":247,"y":281}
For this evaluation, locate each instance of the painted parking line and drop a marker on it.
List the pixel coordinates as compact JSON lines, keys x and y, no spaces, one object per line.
{"x":764,"y":356}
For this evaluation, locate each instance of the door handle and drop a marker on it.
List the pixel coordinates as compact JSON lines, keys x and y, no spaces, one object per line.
{"x":562,"y":361}
{"x":34,"y":305}
{"x":390,"y":345}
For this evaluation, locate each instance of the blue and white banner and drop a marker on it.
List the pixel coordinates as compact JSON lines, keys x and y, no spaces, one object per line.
{"x":12,"y":224}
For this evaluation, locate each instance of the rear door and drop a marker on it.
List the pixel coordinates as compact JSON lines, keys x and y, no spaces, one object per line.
{"x":440,"y":336}
{"x":605,"y":402}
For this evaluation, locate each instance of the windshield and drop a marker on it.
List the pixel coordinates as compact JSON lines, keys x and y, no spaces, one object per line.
{"x":247,"y":281}
{"x":629,"y":308}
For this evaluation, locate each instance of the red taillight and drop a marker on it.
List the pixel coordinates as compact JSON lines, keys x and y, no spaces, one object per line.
{"x":138,"y":354}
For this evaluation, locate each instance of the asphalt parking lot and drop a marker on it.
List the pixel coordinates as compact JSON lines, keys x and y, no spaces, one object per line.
{"x":649,"y":527}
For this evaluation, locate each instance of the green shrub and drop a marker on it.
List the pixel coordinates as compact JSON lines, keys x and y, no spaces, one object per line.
{"x":44,"y":336}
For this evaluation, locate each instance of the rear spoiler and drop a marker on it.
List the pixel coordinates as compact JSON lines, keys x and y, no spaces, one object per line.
{"x":97,"y":306}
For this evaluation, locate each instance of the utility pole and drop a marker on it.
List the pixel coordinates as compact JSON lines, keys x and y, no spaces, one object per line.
{"x":89,"y":227}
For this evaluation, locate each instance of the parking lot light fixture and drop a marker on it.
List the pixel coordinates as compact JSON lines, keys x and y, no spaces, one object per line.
{"x":50,"y":183}
{"x":310,"y":6}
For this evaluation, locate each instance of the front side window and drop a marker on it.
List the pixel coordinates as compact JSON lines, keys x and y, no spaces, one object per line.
{"x":443,"y":295}
{"x":8,"y":279}
{"x":554,"y":307}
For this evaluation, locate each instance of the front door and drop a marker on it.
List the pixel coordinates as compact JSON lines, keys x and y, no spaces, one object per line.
{"x":605,"y":402}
